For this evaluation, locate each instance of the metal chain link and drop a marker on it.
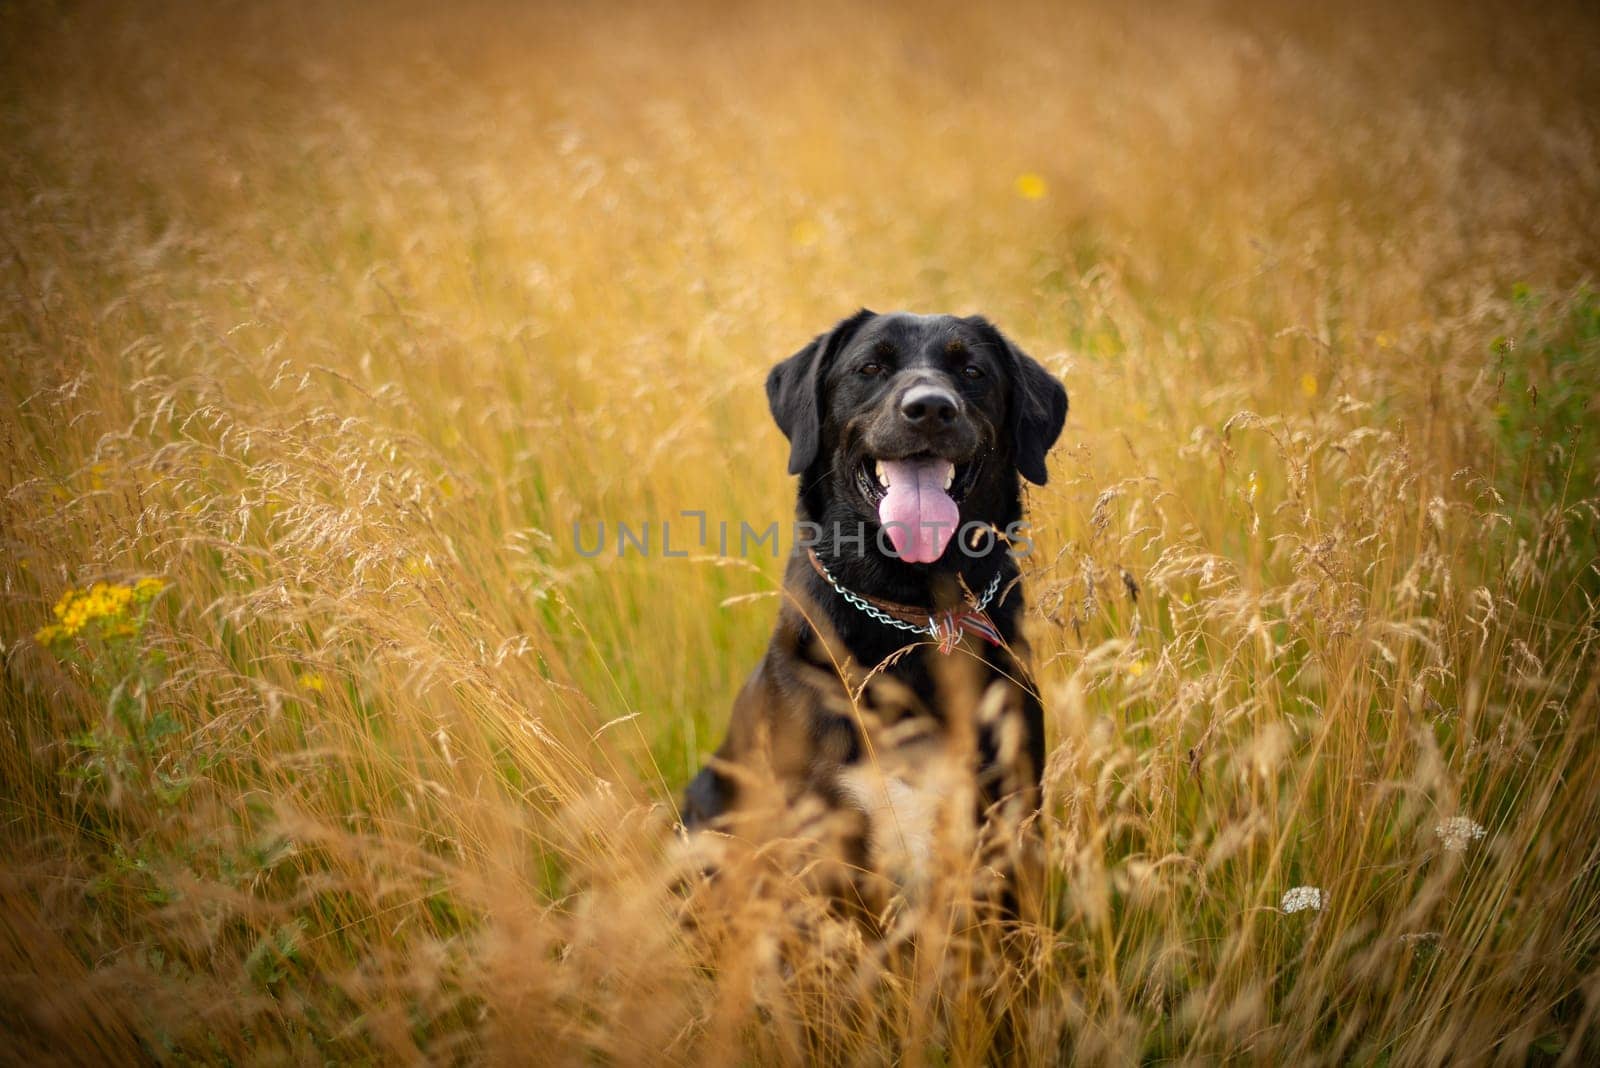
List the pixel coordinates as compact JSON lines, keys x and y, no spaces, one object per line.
{"x":874,"y":612}
{"x":988,"y":594}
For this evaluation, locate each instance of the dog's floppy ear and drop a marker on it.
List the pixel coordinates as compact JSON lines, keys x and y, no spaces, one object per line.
{"x":1038,"y":405}
{"x":794,"y":390}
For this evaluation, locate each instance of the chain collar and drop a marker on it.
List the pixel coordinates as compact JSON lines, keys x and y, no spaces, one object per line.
{"x":945,"y":628}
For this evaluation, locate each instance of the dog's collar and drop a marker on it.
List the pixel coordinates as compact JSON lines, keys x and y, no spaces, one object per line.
{"x":945,"y":628}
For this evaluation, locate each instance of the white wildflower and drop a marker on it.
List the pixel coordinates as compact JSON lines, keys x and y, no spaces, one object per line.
{"x":1458,"y":832}
{"x":1302,"y":897}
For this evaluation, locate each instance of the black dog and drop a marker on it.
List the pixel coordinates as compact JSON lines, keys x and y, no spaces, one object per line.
{"x":910,"y":435}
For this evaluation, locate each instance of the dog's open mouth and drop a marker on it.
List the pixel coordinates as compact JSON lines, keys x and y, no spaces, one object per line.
{"x":918,"y":501}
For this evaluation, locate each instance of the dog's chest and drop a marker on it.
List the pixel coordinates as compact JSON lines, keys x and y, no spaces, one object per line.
{"x":909,"y":817}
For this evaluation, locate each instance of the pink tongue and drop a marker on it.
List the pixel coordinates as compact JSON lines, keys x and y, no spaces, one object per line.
{"x":918,"y":514}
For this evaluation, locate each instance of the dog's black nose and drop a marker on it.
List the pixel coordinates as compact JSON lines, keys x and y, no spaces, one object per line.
{"x":929,"y":406}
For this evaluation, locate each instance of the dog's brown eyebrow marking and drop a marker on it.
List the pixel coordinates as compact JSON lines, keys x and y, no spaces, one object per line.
{"x":883,"y":348}
{"x":955,"y":347}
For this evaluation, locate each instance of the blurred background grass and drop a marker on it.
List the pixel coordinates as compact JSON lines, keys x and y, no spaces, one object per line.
{"x":337,"y":318}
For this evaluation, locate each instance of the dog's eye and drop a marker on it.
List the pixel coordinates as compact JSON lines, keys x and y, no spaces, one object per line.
{"x":972,"y":371}
{"x":871,"y":370}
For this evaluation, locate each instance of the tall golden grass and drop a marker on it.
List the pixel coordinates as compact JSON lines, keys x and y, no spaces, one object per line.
{"x":335,"y":319}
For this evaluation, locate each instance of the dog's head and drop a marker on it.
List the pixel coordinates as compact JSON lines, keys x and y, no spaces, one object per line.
{"x":919,"y":424}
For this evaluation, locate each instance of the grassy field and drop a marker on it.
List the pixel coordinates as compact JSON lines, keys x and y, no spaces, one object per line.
{"x":323,"y":325}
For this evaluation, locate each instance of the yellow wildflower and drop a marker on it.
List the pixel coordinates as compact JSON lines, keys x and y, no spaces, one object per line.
{"x":1031,"y":186}
{"x":805,"y":233}
{"x":1134,"y":668}
{"x":104,"y":604}
{"x":1385,"y":339}
{"x":311,"y":680}
{"x":79,"y":608}
{"x":1308,"y":385}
